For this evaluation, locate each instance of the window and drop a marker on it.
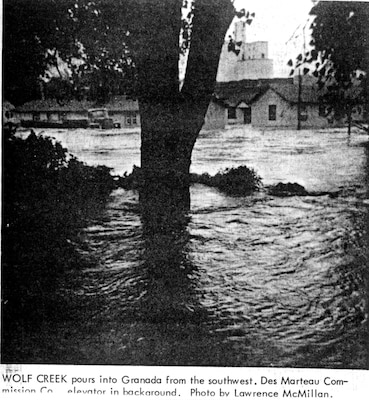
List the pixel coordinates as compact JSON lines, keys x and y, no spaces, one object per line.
{"x":131,"y":118}
{"x":272,"y":112}
{"x":303,"y":113}
{"x":232,"y":113}
{"x":262,"y":55}
{"x":36,"y":116}
{"x":322,"y":110}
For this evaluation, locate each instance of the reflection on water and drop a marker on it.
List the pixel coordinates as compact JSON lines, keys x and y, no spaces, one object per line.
{"x":251,"y":281}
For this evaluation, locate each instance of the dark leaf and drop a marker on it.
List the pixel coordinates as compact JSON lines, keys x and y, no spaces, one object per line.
{"x":320,"y":85}
{"x":314,"y":54}
{"x":241,"y":13}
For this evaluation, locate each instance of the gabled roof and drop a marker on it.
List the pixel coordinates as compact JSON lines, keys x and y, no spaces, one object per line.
{"x":245,"y":91}
{"x":247,"y":96}
{"x":290,"y":93}
{"x":122,"y":103}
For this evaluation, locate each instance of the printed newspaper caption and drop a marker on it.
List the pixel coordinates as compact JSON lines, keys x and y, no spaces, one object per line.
{"x":202,"y":385}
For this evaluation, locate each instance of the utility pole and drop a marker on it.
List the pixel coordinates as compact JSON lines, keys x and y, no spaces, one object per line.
{"x":295,"y":35}
{"x":299,"y":95}
{"x":299,"y":101}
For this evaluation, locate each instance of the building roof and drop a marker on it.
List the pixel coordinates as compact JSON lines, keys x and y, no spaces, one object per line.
{"x":246,"y":97}
{"x":117,"y":103}
{"x":122,"y":103}
{"x":54,"y":105}
{"x":290,"y":93}
{"x":245,"y":91}
{"x":7,"y":106}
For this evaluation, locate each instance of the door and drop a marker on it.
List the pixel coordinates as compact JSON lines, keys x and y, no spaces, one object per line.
{"x":247,"y":115}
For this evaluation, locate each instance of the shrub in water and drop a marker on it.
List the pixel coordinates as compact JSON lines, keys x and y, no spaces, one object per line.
{"x":236,"y":181}
{"x":48,"y":196}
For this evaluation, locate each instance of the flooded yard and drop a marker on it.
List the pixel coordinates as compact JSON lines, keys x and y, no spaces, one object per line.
{"x":251,"y":281}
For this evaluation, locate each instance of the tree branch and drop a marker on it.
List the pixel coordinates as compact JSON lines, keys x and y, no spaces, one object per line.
{"x":210,"y":23}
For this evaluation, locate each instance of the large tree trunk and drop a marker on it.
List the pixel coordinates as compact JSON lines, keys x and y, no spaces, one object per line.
{"x":167,"y":139}
{"x":171,"y":119}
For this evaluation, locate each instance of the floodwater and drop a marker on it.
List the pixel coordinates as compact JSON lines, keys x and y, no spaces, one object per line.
{"x":251,"y":281}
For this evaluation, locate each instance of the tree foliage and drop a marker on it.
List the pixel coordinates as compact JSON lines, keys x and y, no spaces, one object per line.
{"x":339,"y":58}
{"x":101,"y":41}
{"x":340,"y":33}
{"x":30,"y":28}
{"x":48,"y":197}
{"x":88,"y":36}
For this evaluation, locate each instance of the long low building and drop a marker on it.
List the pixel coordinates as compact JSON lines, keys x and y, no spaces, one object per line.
{"x":52,"y":113}
{"x":123,"y":111}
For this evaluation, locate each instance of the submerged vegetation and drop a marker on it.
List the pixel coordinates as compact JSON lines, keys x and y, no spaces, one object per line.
{"x":48,"y":197}
{"x":234,"y":181}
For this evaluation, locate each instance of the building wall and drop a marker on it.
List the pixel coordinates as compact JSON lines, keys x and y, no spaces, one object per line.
{"x":127,"y":119}
{"x":239,"y":116}
{"x":75,"y":115}
{"x":54,"y":116}
{"x":254,"y":69}
{"x":24,"y":116}
{"x":314,"y":120}
{"x":234,"y":68}
{"x":255,"y":50}
{"x":43,"y":116}
{"x":215,"y":117}
{"x":286,"y":114}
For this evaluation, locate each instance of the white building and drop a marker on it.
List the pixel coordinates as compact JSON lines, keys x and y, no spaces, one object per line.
{"x":246,"y":61}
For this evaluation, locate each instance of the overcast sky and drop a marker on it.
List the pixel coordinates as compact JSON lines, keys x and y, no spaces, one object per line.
{"x":279,"y":22}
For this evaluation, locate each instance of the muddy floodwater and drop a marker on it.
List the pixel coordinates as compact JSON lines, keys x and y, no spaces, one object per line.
{"x":251,"y":281}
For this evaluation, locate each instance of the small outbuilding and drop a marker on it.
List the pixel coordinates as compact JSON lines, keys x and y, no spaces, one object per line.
{"x":124,"y":110}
